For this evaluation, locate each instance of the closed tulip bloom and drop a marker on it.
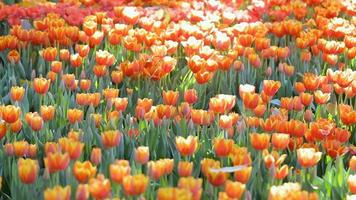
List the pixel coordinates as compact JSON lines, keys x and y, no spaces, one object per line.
{"x":49,"y":54}
{"x":100,"y":187}
{"x":111,"y":138}
{"x":280,"y":141}
{"x":185,"y":168}
{"x":194,"y":185}
{"x":234,"y":189}
{"x":170,"y":193}
{"x":56,"y":161}
{"x":191,"y":96}
{"x":308,"y":157}
{"x":47,"y":112}
{"x":74,"y":115}
{"x":57,"y":193}
{"x":142,"y":155}
{"x":83,"y":171}
{"x":16,"y":126}
{"x":41,"y":85}
{"x":82,"y":192}
{"x":17,"y":93}
{"x":3,"y":129}
{"x":10,"y":113}
{"x":222,"y":147}
{"x":352,"y":163}
{"x":135,"y":185}
{"x":118,"y":171}
{"x":352,"y":183}
{"x":187,"y":146}
{"x":13,"y":56}
{"x":170,"y":97}
{"x":21,"y":148}
{"x":260,"y":141}
{"x":95,"y":155}
{"x":243,"y":175}
{"x":35,"y":121}
{"x":28,"y":170}
{"x":216,"y":178}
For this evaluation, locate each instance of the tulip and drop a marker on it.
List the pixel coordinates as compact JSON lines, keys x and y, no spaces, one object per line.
{"x":119,"y":170}
{"x":135,"y":185}
{"x":28,"y":170}
{"x":185,"y":168}
{"x":352,"y":183}
{"x":222,"y":147}
{"x":234,"y":189}
{"x":83,"y":171}
{"x":95,"y":156}
{"x":100,"y":187}
{"x":47,"y":112}
{"x":308,"y":157}
{"x":169,"y":193}
{"x":186,"y":146}
{"x":58,"y":193}
{"x":74,"y":115}
{"x":21,"y":148}
{"x":10,"y":113}
{"x":41,"y":85}
{"x":82,"y":192}
{"x":17,"y":93}
{"x":142,"y":155}
{"x":56,"y":161}
{"x":280,"y":141}
{"x":193,"y":185}
{"x":259,"y":141}
{"x":111,"y":138}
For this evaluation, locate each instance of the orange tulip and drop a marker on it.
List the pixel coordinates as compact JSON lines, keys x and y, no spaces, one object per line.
{"x":193,"y":185}
{"x":135,"y":185}
{"x":28,"y":170}
{"x":280,"y":141}
{"x":352,"y":183}
{"x":47,"y":112}
{"x":13,"y":56}
{"x":216,"y":178}
{"x":95,"y":155}
{"x":100,"y":187}
{"x":308,"y":157}
{"x":83,"y":171}
{"x":49,"y":54}
{"x":118,"y":170}
{"x":117,"y":76}
{"x":208,"y":163}
{"x":169,"y":193}
{"x":57,"y":193}
{"x":82,"y":192}
{"x":56,"y":67}
{"x":243,"y":175}
{"x":270,"y":87}
{"x":185,"y":168}
{"x":352,"y":163}
{"x":311,"y":81}
{"x":259,"y":141}
{"x":120,"y":104}
{"x":250,"y":100}
{"x":170,"y":97}
{"x":190,"y":96}
{"x":142,"y":155}
{"x":74,"y":115}
{"x":41,"y":85}
{"x":21,"y":148}
{"x":56,"y":161}
{"x":17,"y":93}
{"x":234,"y":189}
{"x":10,"y":113}
{"x":281,"y":172}
{"x":222,"y":147}
{"x":188,"y":146}
{"x":111,"y":138}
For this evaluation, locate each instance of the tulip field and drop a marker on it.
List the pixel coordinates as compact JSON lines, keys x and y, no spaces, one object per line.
{"x":178,"y":100}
